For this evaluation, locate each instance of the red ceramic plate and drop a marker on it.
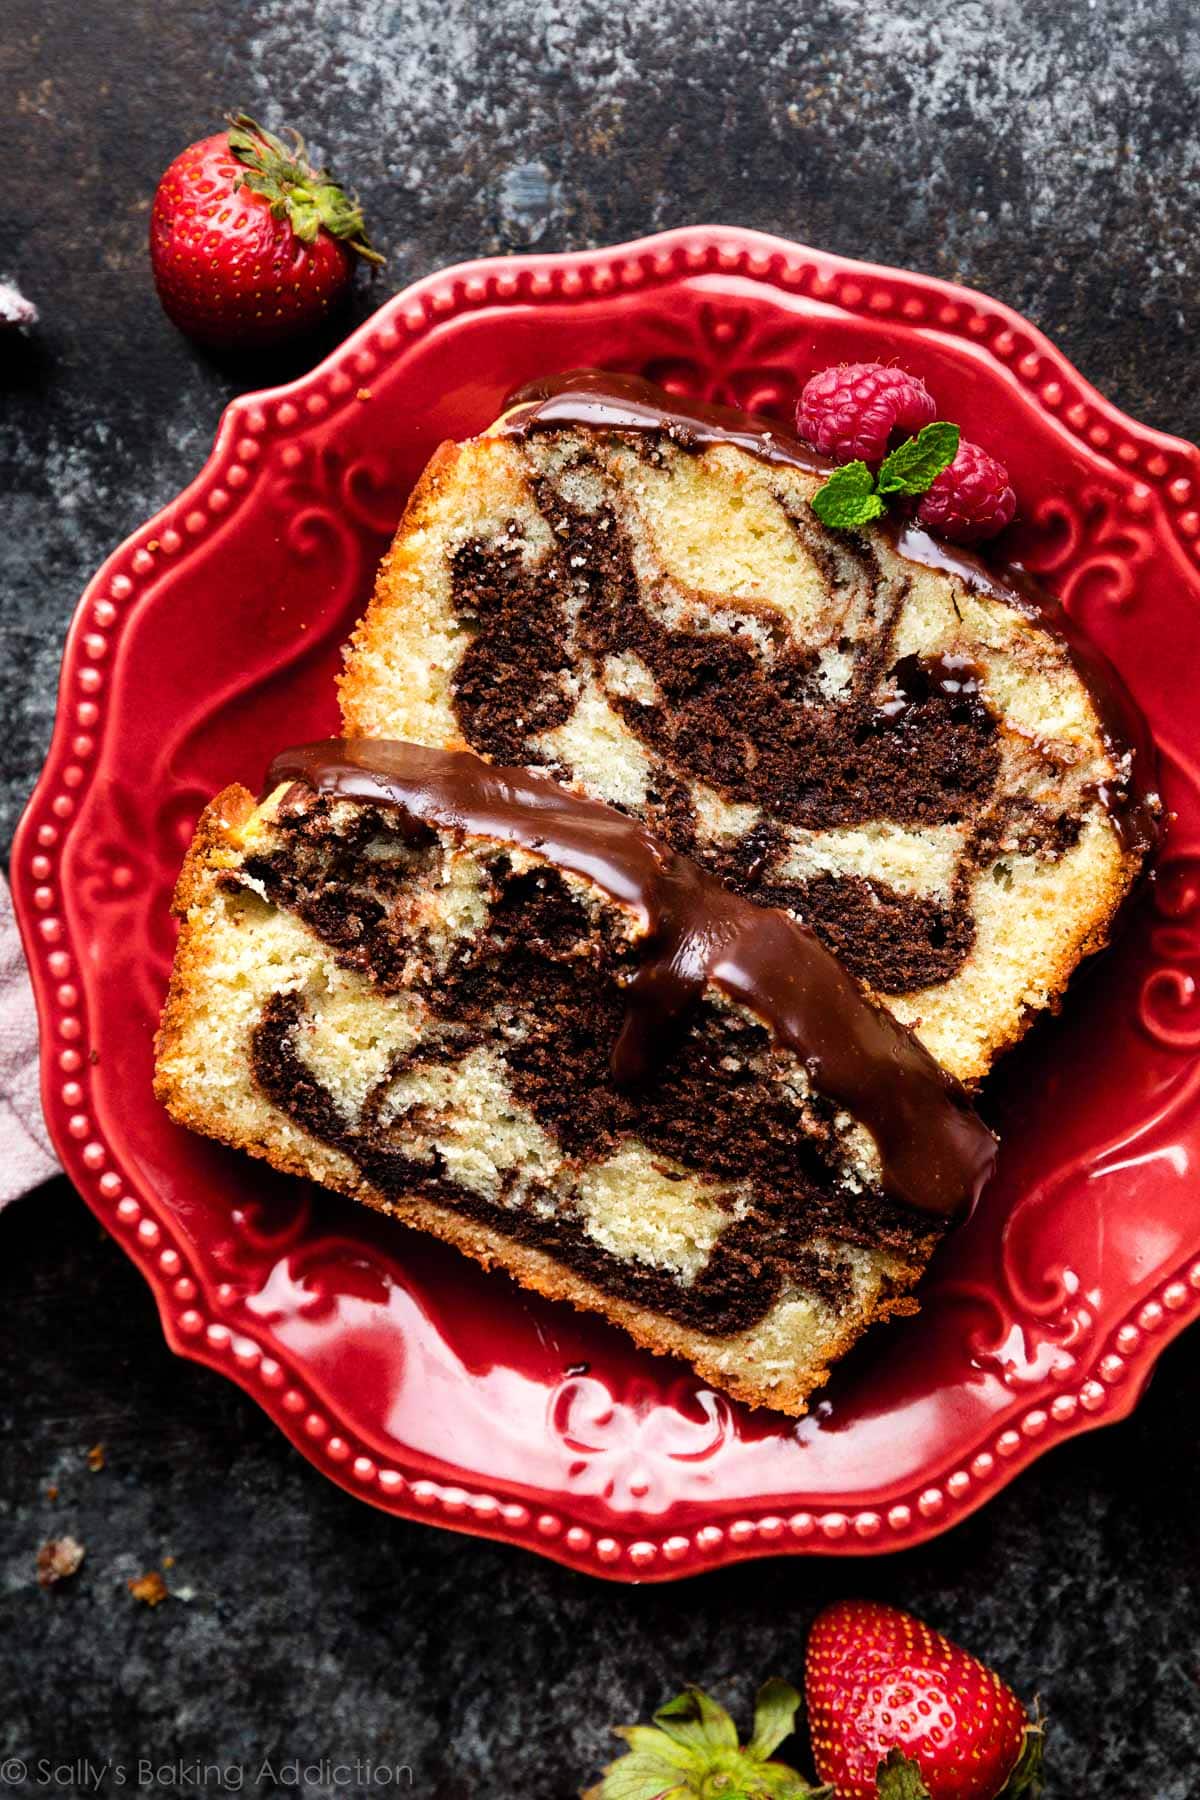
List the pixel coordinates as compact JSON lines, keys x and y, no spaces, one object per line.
{"x":212,"y":637}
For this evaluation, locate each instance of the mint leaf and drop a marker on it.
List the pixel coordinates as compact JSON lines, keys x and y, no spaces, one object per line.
{"x":913,"y":465}
{"x":898,"y":1778}
{"x":775,"y":1709}
{"x":848,"y":498}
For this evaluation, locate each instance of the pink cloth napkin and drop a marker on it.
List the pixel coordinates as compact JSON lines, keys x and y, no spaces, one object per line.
{"x":26,"y":1159}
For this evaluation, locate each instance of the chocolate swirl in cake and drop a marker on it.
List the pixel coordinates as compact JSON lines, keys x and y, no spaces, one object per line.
{"x":602,"y":401}
{"x":935,"y":1153}
{"x":731,"y":1130}
{"x":755,"y":730}
{"x":1132,"y":800}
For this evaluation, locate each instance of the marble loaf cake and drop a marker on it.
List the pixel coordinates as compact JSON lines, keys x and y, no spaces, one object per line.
{"x":512,"y":1017}
{"x":910,"y":751}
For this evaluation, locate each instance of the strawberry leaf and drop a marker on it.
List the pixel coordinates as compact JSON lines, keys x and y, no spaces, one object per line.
{"x":306,"y":220}
{"x":691,"y":1753}
{"x":644,"y":1774}
{"x":1028,"y":1773}
{"x":899,"y":1778}
{"x":913,"y":465}
{"x":695,"y":1720}
{"x":308,"y":198}
{"x":773,"y":1781}
{"x":649,"y":1737}
{"x":775,"y":1710}
{"x":848,"y":498}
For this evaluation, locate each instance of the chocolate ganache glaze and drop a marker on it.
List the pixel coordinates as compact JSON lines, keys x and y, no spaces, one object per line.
{"x":604,"y":401}
{"x":935,"y":1152}
{"x":600,"y":400}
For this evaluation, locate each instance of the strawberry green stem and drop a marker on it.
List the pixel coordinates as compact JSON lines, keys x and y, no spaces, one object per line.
{"x":1028,"y":1774}
{"x":308,"y":198}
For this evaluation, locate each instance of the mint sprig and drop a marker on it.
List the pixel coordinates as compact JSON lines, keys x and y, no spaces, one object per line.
{"x":853,"y":497}
{"x":848,"y":498}
{"x":913,"y":465}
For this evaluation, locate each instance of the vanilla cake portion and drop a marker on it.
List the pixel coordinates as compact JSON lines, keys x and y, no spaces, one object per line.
{"x":917,"y":755}
{"x":512,"y":1017}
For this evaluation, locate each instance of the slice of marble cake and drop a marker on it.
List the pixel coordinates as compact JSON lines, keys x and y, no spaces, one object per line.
{"x":914,"y":753}
{"x":512,"y":1017}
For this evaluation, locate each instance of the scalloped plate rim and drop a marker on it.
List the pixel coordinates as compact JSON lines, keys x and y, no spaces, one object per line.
{"x":1119,"y":1402}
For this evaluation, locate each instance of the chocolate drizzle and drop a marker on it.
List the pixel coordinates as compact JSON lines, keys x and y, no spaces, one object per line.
{"x":598,"y":400}
{"x":934,"y":1151}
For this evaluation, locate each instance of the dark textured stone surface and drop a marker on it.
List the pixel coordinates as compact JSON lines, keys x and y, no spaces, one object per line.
{"x":318,"y":1627}
{"x":1044,"y":153}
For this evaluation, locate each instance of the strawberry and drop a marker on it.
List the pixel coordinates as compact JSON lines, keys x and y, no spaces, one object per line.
{"x":898,"y":1711}
{"x":691,"y":1752}
{"x":249,"y":244}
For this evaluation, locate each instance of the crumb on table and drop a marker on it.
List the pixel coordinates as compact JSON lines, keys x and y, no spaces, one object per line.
{"x":150,"y":1588}
{"x":58,"y":1560}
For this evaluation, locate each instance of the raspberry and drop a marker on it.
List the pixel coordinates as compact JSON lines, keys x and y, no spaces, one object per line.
{"x":970,"y":500}
{"x":850,"y":412}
